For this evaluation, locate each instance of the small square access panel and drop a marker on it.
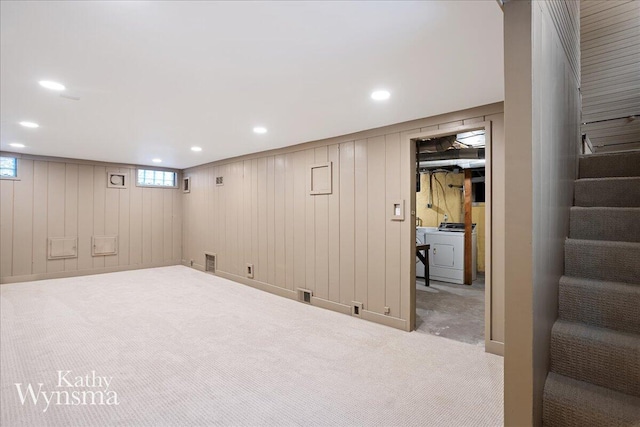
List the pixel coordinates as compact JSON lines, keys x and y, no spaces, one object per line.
{"x":104,"y":245}
{"x":63,"y":247}
{"x":320,"y":179}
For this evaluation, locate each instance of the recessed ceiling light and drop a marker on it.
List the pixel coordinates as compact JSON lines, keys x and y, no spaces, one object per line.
{"x":30,"y":124}
{"x":196,"y":148}
{"x":16,"y":145}
{"x":260,"y":129}
{"x":52,"y":85}
{"x":157,"y":160}
{"x":380,"y":95}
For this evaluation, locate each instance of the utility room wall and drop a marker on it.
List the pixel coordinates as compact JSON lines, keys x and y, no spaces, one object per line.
{"x":449,"y":201}
{"x":55,"y":198}
{"x":445,"y":200}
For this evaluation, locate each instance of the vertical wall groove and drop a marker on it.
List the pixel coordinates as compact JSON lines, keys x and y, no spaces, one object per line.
{"x":343,"y":246}
{"x":67,"y":199}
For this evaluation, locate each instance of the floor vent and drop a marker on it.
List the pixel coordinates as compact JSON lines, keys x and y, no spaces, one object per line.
{"x":210,"y":263}
{"x":304,"y":295}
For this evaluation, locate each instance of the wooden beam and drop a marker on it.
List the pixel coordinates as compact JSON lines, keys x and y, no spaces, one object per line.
{"x":468,"y":258}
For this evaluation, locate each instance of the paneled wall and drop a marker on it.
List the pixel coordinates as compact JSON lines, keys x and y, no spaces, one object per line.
{"x":610,"y":40}
{"x":68,"y":198}
{"x":343,"y":246}
{"x":542,"y":116}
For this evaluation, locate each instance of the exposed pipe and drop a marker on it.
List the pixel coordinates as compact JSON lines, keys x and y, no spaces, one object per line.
{"x":463,"y":153}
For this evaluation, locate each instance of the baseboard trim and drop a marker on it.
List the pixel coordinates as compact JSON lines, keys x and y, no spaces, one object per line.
{"x":330,"y":305}
{"x":196,"y":266}
{"x":371,"y":316}
{"x":394,"y":322}
{"x":77,"y":273}
{"x":287,"y":293}
{"x":494,"y":347}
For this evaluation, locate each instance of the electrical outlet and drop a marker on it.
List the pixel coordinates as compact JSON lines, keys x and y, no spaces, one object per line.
{"x":250,"y":271}
{"x":356,"y":308}
{"x":191,"y":263}
{"x":387,"y":310}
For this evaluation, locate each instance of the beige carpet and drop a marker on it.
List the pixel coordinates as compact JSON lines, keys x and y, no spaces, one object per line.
{"x":186,"y":348}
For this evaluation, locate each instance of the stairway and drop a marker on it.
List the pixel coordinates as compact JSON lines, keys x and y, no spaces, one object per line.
{"x":595,"y":343}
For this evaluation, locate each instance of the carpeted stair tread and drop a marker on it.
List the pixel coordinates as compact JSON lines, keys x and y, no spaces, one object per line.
{"x":605,"y":223}
{"x":603,"y":304}
{"x":599,"y":356}
{"x":603,"y":260}
{"x":572,"y":403}
{"x":613,"y":192}
{"x":610,"y":165}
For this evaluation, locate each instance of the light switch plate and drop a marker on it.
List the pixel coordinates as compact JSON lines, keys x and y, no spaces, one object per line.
{"x":397,"y":210}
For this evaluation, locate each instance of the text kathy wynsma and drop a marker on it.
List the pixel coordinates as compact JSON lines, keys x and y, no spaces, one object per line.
{"x":71,"y":390}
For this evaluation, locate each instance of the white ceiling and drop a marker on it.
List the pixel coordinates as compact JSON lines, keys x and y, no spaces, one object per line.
{"x":155,"y":78}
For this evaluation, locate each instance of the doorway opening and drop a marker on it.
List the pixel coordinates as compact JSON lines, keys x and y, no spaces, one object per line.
{"x":453,"y":193}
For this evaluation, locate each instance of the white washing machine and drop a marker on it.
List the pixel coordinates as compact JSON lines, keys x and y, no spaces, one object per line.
{"x":421,"y":239}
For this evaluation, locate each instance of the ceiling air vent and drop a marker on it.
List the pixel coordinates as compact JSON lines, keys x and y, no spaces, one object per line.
{"x":219,"y":180}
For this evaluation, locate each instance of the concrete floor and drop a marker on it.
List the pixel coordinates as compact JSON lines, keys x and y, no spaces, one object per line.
{"x":451,"y":311}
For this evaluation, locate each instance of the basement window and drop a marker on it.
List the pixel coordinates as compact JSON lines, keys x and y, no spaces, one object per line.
{"x":156,"y":178}
{"x":8,"y":167}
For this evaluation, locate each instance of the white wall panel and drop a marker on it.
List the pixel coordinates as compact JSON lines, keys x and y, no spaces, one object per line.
{"x":610,"y":40}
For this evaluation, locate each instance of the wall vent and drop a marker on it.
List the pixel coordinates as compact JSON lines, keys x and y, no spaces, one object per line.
{"x":117,"y":179}
{"x":219,"y":180}
{"x":186,"y":184}
{"x":304,"y":295}
{"x":356,"y":308}
{"x":210,"y":263}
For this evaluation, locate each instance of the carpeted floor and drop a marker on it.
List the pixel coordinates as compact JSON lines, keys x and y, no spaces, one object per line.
{"x":451,"y":311}
{"x":186,"y":348}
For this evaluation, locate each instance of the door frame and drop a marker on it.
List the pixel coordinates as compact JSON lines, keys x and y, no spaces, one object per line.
{"x":490,"y":345}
